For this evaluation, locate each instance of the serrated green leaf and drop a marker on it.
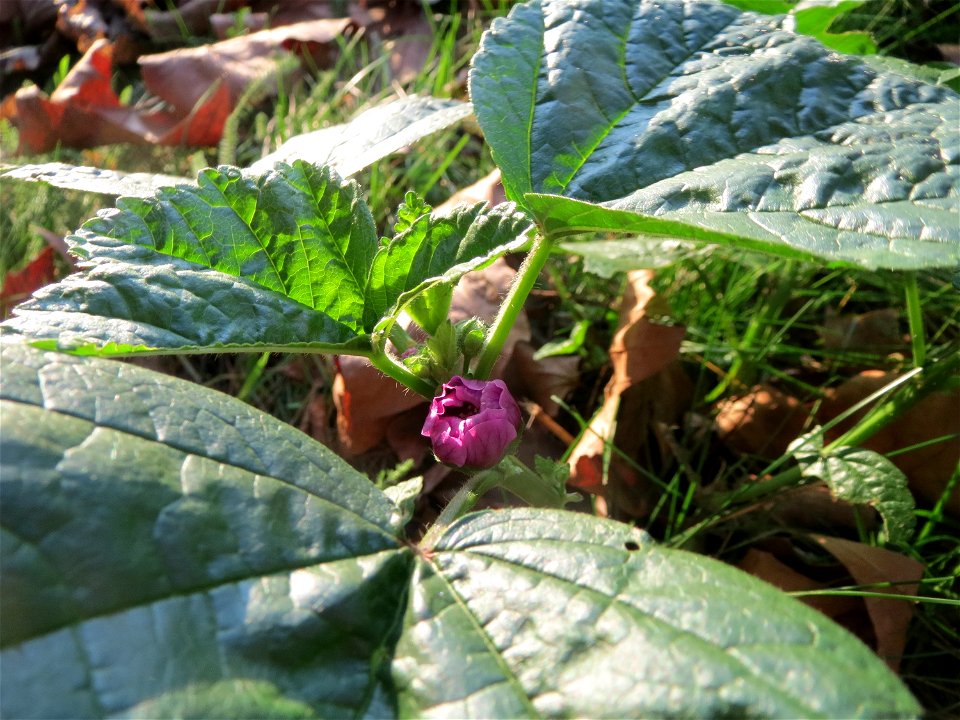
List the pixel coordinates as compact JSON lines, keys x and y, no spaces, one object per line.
{"x":272,"y":263}
{"x":690,"y":111}
{"x":170,"y":551}
{"x":860,"y":477}
{"x":439,"y":249}
{"x":286,"y":261}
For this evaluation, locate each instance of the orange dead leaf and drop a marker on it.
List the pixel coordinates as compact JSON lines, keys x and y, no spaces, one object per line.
{"x":639,"y":351}
{"x":366,"y":402}
{"x":18,"y":286}
{"x":84,"y":111}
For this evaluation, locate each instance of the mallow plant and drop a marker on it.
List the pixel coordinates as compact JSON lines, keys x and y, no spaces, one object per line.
{"x":171,"y":551}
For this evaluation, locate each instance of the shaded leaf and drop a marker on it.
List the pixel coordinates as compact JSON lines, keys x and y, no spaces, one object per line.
{"x":709,"y":124}
{"x":762,"y":422}
{"x":860,"y":476}
{"x":606,"y":258}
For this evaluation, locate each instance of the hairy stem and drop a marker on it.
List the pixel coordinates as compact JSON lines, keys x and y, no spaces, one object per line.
{"x":512,"y":305}
{"x":385,"y":363}
{"x":460,"y":504}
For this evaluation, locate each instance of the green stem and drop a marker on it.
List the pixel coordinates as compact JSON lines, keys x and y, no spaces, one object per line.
{"x":385,"y":363}
{"x":915,"y":318}
{"x":461,"y":503}
{"x":512,"y":306}
{"x":253,"y":377}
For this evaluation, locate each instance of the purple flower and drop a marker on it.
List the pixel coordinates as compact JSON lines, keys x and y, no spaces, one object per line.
{"x":472,"y":422}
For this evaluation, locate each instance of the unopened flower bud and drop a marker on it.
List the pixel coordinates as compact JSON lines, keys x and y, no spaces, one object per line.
{"x":472,"y":422}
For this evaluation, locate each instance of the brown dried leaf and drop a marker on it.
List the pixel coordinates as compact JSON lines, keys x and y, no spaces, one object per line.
{"x":84,"y":112}
{"x":868,"y":565}
{"x":82,"y":21}
{"x":181,"y":77}
{"x":813,"y":507}
{"x":641,"y":348}
{"x":192,"y":16}
{"x":366,"y":402}
{"x":639,"y":351}
{"x":763,"y":422}
{"x":877,"y":331}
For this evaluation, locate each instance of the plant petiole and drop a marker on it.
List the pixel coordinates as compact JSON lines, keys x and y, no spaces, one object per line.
{"x":512,"y":305}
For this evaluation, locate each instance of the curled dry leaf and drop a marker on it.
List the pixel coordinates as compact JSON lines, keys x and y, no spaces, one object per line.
{"x":641,"y":349}
{"x":182,"y":77}
{"x":84,"y":112}
{"x":869,"y":565}
{"x":367,"y":401}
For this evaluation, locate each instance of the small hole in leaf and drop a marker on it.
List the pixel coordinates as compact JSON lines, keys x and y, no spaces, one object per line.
{"x":631,"y":545}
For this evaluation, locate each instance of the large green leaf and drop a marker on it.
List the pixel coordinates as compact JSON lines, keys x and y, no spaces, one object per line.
{"x":161,"y":537}
{"x":171,"y":552}
{"x":287,"y":260}
{"x":694,"y":113}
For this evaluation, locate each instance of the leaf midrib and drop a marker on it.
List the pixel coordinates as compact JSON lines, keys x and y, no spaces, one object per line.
{"x":636,"y":101}
{"x":634,"y":610}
